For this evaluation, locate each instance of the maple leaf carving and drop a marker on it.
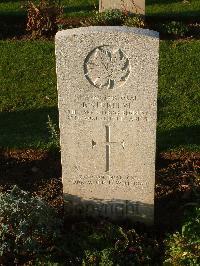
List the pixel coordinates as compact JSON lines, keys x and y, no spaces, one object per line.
{"x":107,"y":67}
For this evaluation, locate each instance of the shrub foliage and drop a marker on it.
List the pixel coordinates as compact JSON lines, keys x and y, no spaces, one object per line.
{"x":28,"y":226}
{"x":183,"y":248}
{"x":42,"y":18}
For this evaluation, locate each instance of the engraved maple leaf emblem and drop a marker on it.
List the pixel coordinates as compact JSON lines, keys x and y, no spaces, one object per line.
{"x":107,"y":67}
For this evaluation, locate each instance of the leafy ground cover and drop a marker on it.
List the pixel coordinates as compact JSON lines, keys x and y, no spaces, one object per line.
{"x":28,"y":94}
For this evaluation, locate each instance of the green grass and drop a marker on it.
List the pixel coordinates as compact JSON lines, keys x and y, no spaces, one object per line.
{"x":10,"y":6}
{"x":71,"y":7}
{"x":80,"y":7}
{"x":175,"y":8}
{"x":28,"y":94}
{"x":179,"y":95}
{"x":86,"y":7}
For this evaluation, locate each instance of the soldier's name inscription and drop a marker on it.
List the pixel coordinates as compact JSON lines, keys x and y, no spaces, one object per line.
{"x":108,"y":108}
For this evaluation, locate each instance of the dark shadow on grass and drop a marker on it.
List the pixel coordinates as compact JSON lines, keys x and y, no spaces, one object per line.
{"x":12,"y":1}
{"x":25,"y":129}
{"x":12,"y":14}
{"x":182,"y":137}
{"x":71,"y":9}
{"x":12,"y":25}
{"x":185,"y":16}
{"x":152,"y":2}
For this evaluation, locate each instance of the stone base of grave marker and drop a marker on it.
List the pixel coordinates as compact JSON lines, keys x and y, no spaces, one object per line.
{"x":132,"y":6}
{"x":107,"y":95}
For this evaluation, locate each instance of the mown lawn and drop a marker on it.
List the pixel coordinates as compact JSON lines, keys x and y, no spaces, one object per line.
{"x":179,"y":95}
{"x":28,"y":94}
{"x":173,"y":8}
{"x":179,"y":8}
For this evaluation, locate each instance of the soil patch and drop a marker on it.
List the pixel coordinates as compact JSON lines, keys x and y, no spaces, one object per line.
{"x":39,"y":172}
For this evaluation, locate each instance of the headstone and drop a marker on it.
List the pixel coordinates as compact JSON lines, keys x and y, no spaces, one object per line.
{"x":107,"y":94}
{"x":132,"y":6}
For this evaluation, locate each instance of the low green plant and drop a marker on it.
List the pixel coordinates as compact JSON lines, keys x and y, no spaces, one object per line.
{"x":54,"y":134}
{"x":113,"y":17}
{"x":175,"y":28}
{"x":117,"y":246}
{"x":134,"y":21}
{"x":183,"y":248}
{"x":28,"y":227}
{"x":45,"y":261}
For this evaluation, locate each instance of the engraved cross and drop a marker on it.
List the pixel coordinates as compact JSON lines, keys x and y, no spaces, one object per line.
{"x":108,"y":143}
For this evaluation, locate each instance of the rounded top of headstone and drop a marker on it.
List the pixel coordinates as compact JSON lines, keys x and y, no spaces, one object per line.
{"x":107,"y":29}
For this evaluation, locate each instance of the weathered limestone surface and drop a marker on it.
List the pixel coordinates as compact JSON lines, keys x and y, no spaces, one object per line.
{"x":133,"y":6}
{"x":107,"y":94}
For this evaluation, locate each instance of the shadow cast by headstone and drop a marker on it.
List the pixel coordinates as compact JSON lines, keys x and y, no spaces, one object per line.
{"x":28,"y":128}
{"x":182,"y":137}
{"x":116,"y":210}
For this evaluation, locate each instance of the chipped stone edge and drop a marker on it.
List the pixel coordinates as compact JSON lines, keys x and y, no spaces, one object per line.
{"x":106,"y":29}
